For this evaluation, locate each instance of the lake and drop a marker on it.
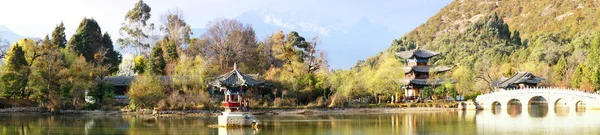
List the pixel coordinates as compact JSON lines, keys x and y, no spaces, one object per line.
{"x":499,"y":121}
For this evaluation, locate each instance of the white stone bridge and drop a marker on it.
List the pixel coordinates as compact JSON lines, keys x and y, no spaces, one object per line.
{"x":553,"y":97}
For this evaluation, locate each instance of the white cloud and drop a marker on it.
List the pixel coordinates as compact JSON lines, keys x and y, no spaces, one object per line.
{"x":322,"y":31}
{"x":271,"y":19}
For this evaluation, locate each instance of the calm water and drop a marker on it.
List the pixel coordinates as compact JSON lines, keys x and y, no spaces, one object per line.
{"x":498,"y":121}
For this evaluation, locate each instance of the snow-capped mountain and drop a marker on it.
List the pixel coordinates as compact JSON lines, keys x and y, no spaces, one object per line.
{"x":344,"y":42}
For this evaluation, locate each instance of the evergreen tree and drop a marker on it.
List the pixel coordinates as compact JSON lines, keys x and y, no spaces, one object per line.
{"x":576,"y":79}
{"x":596,"y":79}
{"x":560,"y":70}
{"x":58,"y":36}
{"x":170,"y":49}
{"x":46,"y":43}
{"x":157,"y":62}
{"x":15,"y":59}
{"x":113,"y":57}
{"x":15,"y":78}
{"x":516,"y":38}
{"x":87,"y":40}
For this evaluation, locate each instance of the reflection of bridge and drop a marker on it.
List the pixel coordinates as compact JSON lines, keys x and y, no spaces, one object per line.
{"x":552,"y":96}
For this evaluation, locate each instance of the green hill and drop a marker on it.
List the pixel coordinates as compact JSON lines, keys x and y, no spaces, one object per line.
{"x":488,"y":40}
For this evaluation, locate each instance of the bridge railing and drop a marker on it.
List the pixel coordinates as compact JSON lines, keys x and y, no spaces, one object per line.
{"x":536,"y":90}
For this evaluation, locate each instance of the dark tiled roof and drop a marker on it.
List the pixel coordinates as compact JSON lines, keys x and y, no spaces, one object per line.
{"x":426,"y":82}
{"x":417,"y":53}
{"x":426,"y":69}
{"x":122,"y":81}
{"x":517,"y":78}
{"x":236,"y":78}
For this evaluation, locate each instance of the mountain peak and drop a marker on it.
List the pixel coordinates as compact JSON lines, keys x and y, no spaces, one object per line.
{"x":7,"y":34}
{"x":4,"y":28}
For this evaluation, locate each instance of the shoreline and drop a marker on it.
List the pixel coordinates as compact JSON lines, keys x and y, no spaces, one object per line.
{"x":268,"y":112}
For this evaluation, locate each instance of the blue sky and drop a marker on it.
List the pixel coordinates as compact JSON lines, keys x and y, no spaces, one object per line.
{"x":36,"y":18}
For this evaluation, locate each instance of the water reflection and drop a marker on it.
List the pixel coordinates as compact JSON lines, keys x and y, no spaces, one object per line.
{"x":514,"y":108}
{"x":538,"y":107}
{"x":497,"y":107}
{"x":562,"y":111}
{"x":463,"y":122}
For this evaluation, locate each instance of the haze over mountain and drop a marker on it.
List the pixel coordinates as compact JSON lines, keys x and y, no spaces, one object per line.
{"x":8,"y":35}
{"x":340,"y":42}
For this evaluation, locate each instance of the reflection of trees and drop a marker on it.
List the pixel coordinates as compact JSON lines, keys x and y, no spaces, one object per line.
{"x":404,"y":123}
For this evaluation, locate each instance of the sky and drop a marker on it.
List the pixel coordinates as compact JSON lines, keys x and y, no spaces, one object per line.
{"x":36,"y":18}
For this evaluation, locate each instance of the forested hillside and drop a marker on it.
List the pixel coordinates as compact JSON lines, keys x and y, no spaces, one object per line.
{"x":556,"y":40}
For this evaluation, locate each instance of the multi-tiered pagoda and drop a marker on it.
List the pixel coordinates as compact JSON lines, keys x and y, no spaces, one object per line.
{"x":417,"y":71}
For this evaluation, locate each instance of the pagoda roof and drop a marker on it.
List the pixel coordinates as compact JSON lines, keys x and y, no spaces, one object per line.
{"x":417,"y":53}
{"x":426,"y":69}
{"x":236,"y":78}
{"x":518,"y":78}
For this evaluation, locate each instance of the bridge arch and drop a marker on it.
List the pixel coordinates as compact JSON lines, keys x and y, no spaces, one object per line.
{"x":553,"y":97}
{"x":561,"y":104}
{"x":496,"y":107}
{"x":538,"y":106}
{"x":580,"y":105}
{"x":514,"y":107}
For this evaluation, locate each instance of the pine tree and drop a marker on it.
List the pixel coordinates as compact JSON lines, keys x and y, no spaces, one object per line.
{"x":113,"y":57}
{"x":157,"y":62}
{"x":15,"y":58}
{"x":170,"y":49}
{"x":87,"y":40}
{"x":560,"y":69}
{"x":516,"y":38}
{"x":58,"y":36}
{"x":577,"y":75}
{"x":596,"y":79}
{"x":15,"y":78}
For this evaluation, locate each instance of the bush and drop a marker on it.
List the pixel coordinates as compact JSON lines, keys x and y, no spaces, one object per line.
{"x":183,"y":101}
{"x":320,"y":102}
{"x":338,"y":100}
{"x":145,"y":91}
{"x":472,"y":96}
{"x":281,"y":102}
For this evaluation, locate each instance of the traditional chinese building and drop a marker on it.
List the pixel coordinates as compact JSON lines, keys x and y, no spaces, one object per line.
{"x":234,"y":86}
{"x":518,"y":80}
{"x":417,"y":71}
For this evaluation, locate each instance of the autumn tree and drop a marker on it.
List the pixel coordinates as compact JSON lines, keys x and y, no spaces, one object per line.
{"x":228,"y":42}
{"x":46,"y":74}
{"x":176,"y":28}
{"x":14,"y":80}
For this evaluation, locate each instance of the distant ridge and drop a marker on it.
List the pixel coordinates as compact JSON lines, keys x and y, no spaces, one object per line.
{"x":7,"y":34}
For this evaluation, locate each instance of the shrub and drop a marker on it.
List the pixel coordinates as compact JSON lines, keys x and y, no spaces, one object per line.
{"x":338,"y":100}
{"x":472,"y":96}
{"x":281,"y":102}
{"x":145,"y":91}
{"x":184,"y":101}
